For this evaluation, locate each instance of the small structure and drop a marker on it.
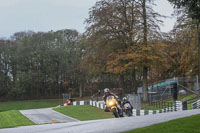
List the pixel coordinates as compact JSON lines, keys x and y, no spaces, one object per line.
{"x":66,"y":97}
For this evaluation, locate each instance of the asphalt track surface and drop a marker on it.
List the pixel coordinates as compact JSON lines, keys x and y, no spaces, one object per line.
{"x":45,"y":116}
{"x":114,"y":125}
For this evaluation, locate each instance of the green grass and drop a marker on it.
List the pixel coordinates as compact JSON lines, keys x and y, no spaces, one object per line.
{"x":84,"y":112}
{"x":182,"y":98}
{"x":146,"y":106}
{"x":170,"y":100}
{"x":13,"y":118}
{"x":29,"y":104}
{"x":183,"y":125}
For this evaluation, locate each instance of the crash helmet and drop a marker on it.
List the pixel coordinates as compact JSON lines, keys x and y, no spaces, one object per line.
{"x":106,"y":91}
{"x":124,"y":98}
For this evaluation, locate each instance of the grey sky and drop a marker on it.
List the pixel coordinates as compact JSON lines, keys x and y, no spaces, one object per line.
{"x":46,"y":15}
{"x":164,"y":8}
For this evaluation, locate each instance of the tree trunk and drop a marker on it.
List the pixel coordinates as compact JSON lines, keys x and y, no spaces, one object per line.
{"x":122,"y":85}
{"x":145,"y":69}
{"x":81,"y":90}
{"x":134,"y":82}
{"x":144,"y":85}
{"x":198,"y":30}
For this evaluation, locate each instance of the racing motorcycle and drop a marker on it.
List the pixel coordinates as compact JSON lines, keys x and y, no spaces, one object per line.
{"x":127,"y":109}
{"x":111,"y":104}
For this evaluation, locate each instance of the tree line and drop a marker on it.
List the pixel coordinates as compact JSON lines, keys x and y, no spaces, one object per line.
{"x":122,"y":47}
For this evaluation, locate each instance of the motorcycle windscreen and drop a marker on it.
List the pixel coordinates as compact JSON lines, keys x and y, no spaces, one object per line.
{"x":127,"y":106}
{"x":110,"y":101}
{"x":109,"y":98}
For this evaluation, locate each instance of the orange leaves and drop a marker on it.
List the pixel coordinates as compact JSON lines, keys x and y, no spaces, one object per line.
{"x":172,"y":53}
{"x":138,"y":55}
{"x":119,"y":63}
{"x":188,"y":60}
{"x":65,"y":84}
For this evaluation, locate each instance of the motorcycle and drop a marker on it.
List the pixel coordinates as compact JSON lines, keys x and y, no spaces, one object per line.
{"x":127,"y":109}
{"x":111,"y":104}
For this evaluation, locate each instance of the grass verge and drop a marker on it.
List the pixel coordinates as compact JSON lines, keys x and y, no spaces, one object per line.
{"x":84,"y":112}
{"x":29,"y":104}
{"x":182,"y":125}
{"x":170,"y":100}
{"x":13,"y":118}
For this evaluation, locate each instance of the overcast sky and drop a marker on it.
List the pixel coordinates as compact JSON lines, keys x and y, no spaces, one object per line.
{"x":46,"y":15}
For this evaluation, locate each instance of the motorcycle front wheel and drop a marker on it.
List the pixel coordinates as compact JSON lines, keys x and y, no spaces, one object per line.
{"x":129,"y":112}
{"x":115,"y":113}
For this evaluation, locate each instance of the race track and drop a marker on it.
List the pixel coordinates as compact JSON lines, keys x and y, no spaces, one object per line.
{"x":114,"y":125}
{"x":45,"y":116}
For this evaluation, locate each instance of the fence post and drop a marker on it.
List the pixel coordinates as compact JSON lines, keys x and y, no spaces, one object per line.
{"x":175,"y":106}
{"x":197,"y":84}
{"x":168,"y":107}
{"x":184,"y":104}
{"x":171,"y":106}
{"x":175,"y":91}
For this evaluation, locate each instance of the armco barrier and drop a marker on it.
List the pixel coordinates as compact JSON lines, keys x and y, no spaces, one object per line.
{"x":196,"y":105}
{"x":100,"y":104}
{"x":150,"y":112}
{"x":88,"y":102}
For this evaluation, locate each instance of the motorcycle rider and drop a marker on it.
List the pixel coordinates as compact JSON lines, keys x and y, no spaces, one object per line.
{"x":108,"y":93}
{"x":125,"y":100}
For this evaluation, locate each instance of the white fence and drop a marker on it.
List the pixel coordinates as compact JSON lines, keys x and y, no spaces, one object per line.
{"x":178,"y":106}
{"x":136,"y":112}
{"x":196,"y":105}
